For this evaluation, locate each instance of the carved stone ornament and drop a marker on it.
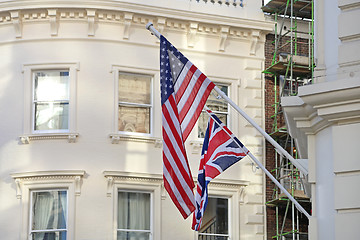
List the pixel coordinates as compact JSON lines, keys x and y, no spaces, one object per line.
{"x":57,"y":177}
{"x":117,"y":138}
{"x":71,"y":137}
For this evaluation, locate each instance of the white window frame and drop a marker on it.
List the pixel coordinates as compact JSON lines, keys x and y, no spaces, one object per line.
{"x":233,"y":88}
{"x":233,"y":190}
{"x":228,"y":110}
{"x":151,"y":212}
{"x":117,"y":135}
{"x":229,"y":219}
{"x":29,"y":131}
{"x":150,"y":105}
{"x":31,"y":215}
{"x":34,"y":102}
{"x":46,"y":181}
{"x":131,"y":182}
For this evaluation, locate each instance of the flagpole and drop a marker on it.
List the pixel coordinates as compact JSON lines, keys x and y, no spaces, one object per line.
{"x":292,"y":199}
{"x":150,"y":27}
{"x":280,"y":149}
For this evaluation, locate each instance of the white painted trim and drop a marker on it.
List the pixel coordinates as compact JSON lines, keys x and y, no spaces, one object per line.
{"x":47,"y":180}
{"x":142,"y":182}
{"x":29,"y":132}
{"x":118,"y":135}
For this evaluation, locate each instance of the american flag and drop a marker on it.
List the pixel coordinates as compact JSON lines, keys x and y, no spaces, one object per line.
{"x":221,"y":149}
{"x":184,"y":91}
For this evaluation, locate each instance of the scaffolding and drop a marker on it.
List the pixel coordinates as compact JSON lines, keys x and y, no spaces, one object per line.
{"x":290,"y":68}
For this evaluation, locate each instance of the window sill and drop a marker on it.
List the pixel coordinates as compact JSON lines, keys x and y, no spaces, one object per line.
{"x":71,"y":137}
{"x":116,"y":138}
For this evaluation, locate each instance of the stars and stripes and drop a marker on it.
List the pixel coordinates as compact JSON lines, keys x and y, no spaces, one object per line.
{"x":184,"y":91}
{"x":221,"y":149}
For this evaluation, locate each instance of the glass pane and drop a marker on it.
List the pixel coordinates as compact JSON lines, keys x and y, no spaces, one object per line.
{"x":215,"y":102}
{"x":133,"y":236}
{"x":207,"y":237}
{"x":134,"y":119}
{"x":49,"y":210}
{"x":49,"y":236}
{"x":134,"y":211}
{"x":51,"y":85}
{"x":215,"y":218}
{"x":134,"y":88}
{"x":203,"y":121}
{"x":51,"y":116}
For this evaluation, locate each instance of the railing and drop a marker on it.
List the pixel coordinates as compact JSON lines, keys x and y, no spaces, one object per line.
{"x":236,"y":3}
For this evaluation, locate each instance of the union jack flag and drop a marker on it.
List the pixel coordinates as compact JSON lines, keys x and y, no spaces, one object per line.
{"x":221,"y":149}
{"x":184,"y":91}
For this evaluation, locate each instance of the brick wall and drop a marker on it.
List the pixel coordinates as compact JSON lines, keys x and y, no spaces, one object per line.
{"x":270,"y":87}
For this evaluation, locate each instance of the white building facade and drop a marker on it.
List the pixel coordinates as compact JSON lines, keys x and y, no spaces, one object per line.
{"x":80,"y":143}
{"x":325,"y":117}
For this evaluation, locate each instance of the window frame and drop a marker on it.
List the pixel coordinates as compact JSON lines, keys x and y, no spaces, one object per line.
{"x":233,"y":190}
{"x":33,"y":102}
{"x":217,"y":112}
{"x":233,"y":88}
{"x":132,"y":182}
{"x":155,"y":127}
{"x":228,"y":219}
{"x":151,"y":230}
{"x":31,"y":209}
{"x":29,"y":132}
{"x":27,"y":182}
{"x":150,"y":105}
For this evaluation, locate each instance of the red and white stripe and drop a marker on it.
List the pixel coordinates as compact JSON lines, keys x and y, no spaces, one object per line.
{"x":178,"y":181}
{"x":192,"y":89}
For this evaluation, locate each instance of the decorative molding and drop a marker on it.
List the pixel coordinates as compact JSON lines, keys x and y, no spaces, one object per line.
{"x":242,"y":194}
{"x":52,"y":13}
{"x":116,"y":138}
{"x":18,"y":188}
{"x":71,"y":176}
{"x":90,"y":13}
{"x":161,"y":22}
{"x":113,"y":177}
{"x":110,"y":184}
{"x":235,"y":3}
{"x":193,"y":29}
{"x":128,"y":17}
{"x":255,"y":36}
{"x":71,"y":137}
{"x":16,"y":20}
{"x":223,"y":36}
{"x":163,"y":192}
{"x":77,"y":185}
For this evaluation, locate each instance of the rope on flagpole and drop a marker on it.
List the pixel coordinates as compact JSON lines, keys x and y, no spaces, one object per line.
{"x":292,"y":199}
{"x":281,"y":150}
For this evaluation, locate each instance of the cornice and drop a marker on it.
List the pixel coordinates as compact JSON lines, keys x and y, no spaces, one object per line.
{"x":43,"y":177}
{"x":48,"y":174}
{"x":152,"y":12}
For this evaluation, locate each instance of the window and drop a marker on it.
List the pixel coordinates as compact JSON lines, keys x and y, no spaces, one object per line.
{"x":134,"y":216}
{"x":50,"y":101}
{"x":48,"y":216}
{"x":134,"y":103}
{"x":137,"y":205}
{"x":51,"y":98}
{"x":215,"y":224}
{"x":216,"y":104}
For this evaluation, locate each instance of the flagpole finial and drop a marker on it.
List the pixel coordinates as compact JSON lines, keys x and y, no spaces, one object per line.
{"x":150,"y":27}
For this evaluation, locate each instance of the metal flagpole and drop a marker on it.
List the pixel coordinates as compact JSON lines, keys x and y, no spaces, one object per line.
{"x":281,"y":150}
{"x":292,"y":199}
